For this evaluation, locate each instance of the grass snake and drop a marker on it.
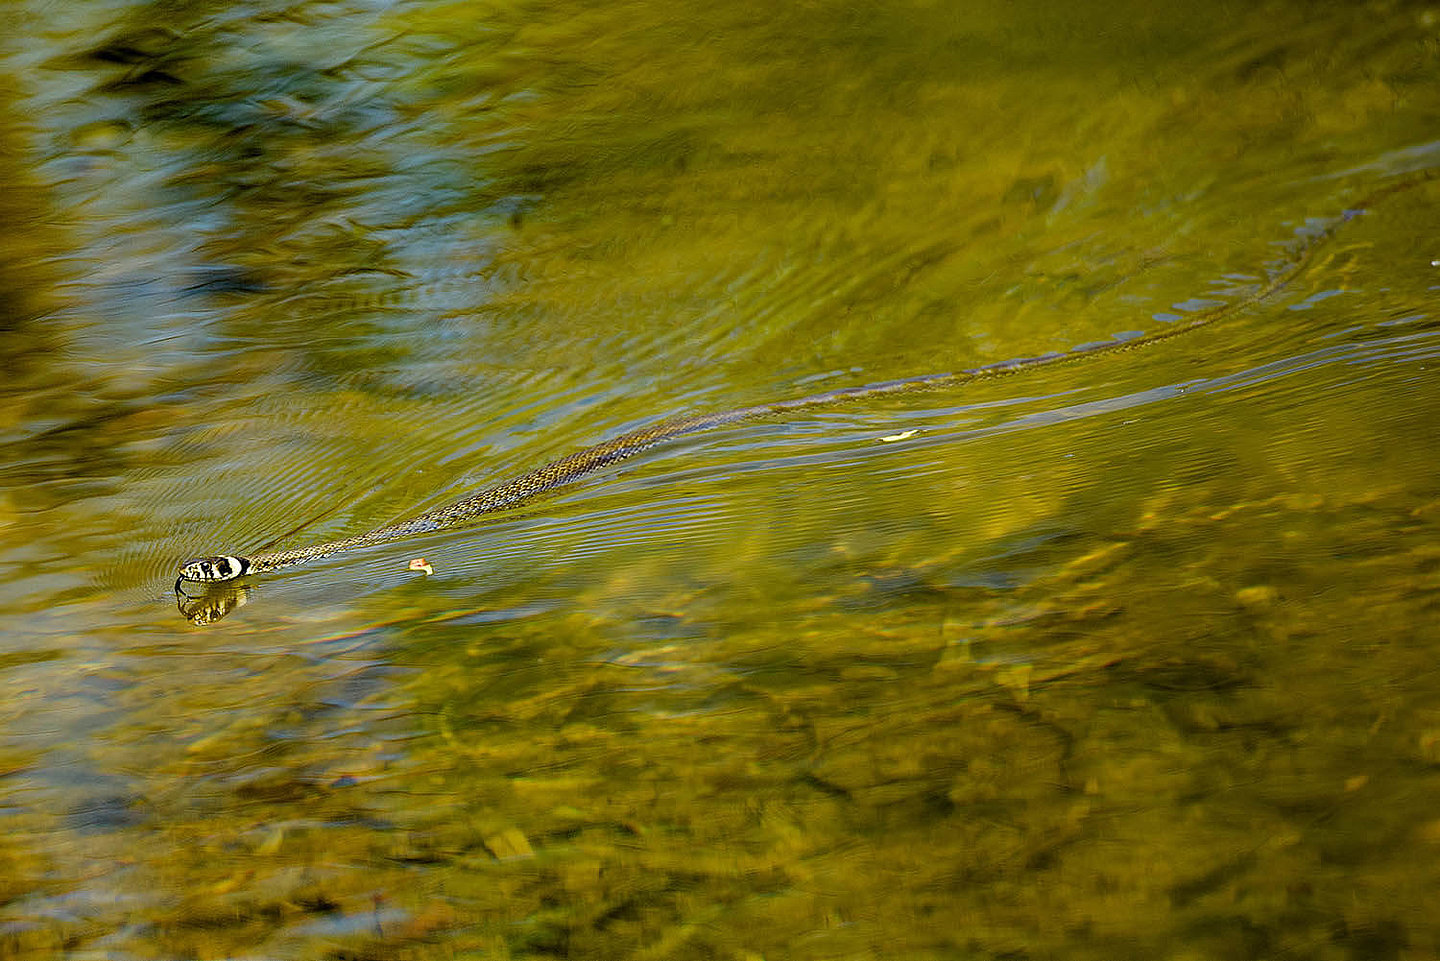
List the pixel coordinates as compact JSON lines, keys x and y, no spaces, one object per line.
{"x":229,"y":567}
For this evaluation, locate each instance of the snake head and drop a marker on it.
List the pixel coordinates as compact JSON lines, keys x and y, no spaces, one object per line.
{"x":207,"y":570}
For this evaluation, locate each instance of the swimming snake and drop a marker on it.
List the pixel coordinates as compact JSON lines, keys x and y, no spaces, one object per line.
{"x":568,"y":469}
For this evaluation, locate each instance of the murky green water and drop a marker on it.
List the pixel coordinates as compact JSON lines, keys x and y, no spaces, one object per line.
{"x":1132,"y":657}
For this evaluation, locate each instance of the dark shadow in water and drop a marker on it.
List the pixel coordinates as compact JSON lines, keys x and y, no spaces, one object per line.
{"x":213,"y":603}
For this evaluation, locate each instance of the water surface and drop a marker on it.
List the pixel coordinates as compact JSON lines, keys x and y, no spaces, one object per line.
{"x":1130,"y":657}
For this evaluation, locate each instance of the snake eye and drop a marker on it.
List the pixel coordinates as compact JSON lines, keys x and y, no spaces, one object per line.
{"x":195,"y":569}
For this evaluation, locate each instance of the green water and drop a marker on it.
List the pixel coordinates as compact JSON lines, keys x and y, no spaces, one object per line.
{"x":1132,"y":657}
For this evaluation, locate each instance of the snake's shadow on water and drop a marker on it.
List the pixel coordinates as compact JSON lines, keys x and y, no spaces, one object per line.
{"x":213,"y":603}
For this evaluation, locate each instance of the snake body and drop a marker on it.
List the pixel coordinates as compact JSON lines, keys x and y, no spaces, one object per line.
{"x":568,"y":469}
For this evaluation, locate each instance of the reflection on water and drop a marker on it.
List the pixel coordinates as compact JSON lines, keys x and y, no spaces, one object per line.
{"x":1128,"y":658}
